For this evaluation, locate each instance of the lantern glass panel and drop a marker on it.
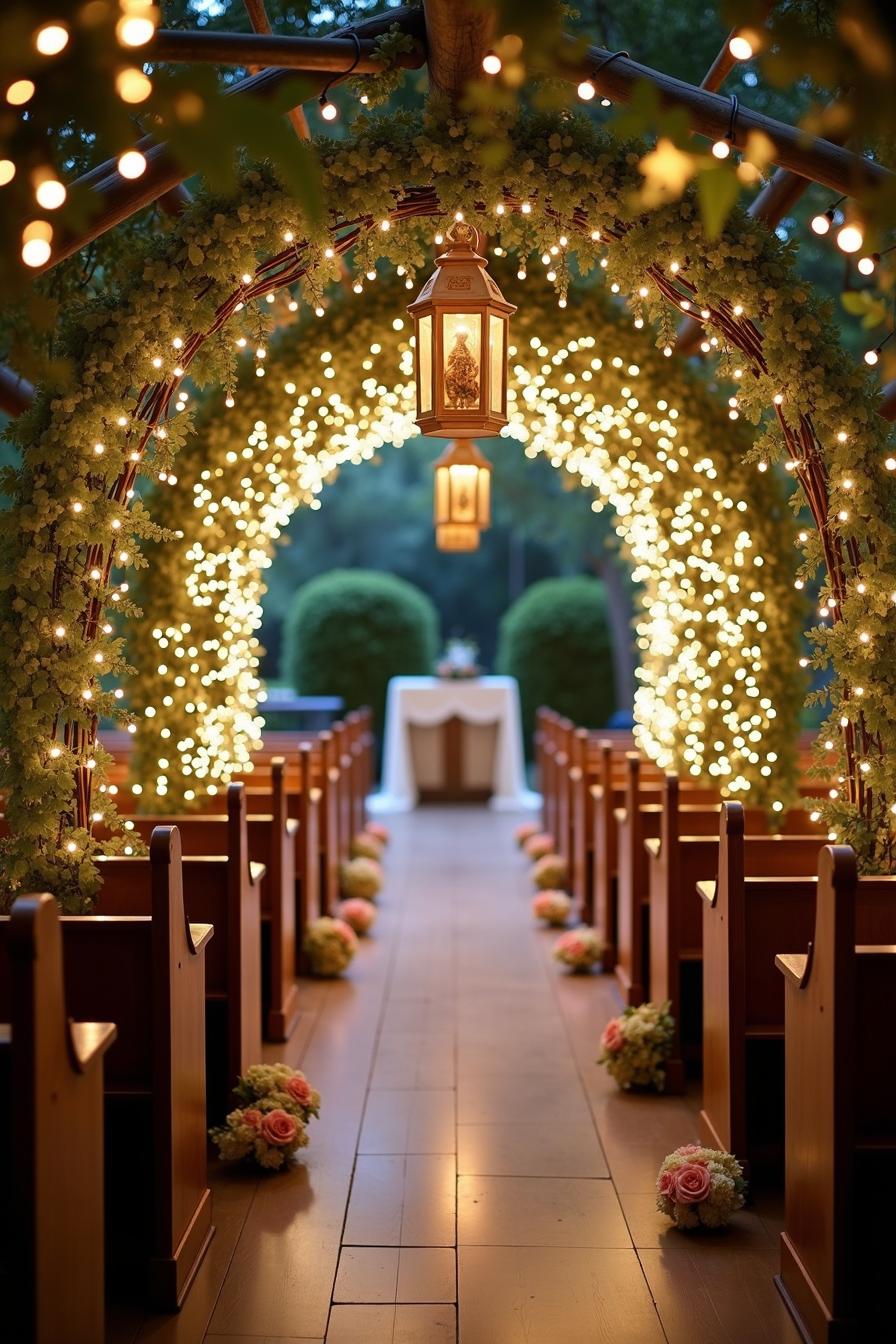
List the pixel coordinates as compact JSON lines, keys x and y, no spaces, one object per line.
{"x":464,"y":480}
{"x":483,"y":511}
{"x":462,"y":361}
{"x":443,"y":495}
{"x":424,"y":363}
{"x":496,"y":363}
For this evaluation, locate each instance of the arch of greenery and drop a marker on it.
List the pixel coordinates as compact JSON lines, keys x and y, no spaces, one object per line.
{"x":711,"y":544}
{"x":75,"y":523}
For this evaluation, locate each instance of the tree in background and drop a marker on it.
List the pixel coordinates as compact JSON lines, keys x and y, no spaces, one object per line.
{"x":556,"y":641}
{"x":349,"y":631}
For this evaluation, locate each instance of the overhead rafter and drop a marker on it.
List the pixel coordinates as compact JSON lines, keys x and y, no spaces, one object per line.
{"x":887,"y":406}
{"x":258,"y":17}
{"x":16,"y":393}
{"x":330,"y":55}
{"x":710,"y":115}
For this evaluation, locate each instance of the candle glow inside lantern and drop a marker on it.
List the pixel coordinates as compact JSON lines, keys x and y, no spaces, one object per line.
{"x":461,"y":328}
{"x":462,"y":497}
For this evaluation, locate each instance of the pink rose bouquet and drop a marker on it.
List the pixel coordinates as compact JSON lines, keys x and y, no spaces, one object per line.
{"x":330,"y":945}
{"x":271,"y":1124}
{"x":553,"y":907}
{"x":539,"y":844}
{"x":525,"y":832}
{"x":700,"y":1187}
{"x":378,"y":831}
{"x":636,"y":1045}
{"x":366,"y":846}
{"x":579,"y":949}
{"x":361,"y":878}
{"x":359,"y":915}
{"x":550,"y":872}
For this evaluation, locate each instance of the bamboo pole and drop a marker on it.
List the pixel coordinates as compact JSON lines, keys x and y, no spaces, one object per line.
{"x":824,"y":162}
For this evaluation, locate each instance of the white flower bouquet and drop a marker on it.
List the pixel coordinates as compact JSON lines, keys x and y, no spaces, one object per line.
{"x":579,"y":949}
{"x":636,"y":1045}
{"x":550,"y":872}
{"x":330,"y":945}
{"x":271,"y":1124}
{"x":700,"y":1187}
{"x":553,"y":907}
{"x":361,"y":878}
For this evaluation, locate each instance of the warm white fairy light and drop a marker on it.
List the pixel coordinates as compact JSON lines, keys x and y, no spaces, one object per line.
{"x":850,"y":238}
{"x":131,"y":164}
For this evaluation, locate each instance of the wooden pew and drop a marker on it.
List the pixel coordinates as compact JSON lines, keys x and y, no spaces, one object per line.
{"x":262,"y":848}
{"x":221,"y":889}
{"x":147,"y":974}
{"x":840,"y":1183}
{"x":51,"y":1136}
{"x":746,"y":920}
{"x":687,"y":852}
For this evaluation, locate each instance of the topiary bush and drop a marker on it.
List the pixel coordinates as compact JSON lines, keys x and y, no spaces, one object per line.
{"x":349,"y":631}
{"x":555,"y":640}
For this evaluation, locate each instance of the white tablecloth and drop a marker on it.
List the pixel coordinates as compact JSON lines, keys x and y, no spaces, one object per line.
{"x":431,"y":700}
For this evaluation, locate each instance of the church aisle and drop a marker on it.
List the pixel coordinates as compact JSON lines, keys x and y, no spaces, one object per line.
{"x":473,"y":1175}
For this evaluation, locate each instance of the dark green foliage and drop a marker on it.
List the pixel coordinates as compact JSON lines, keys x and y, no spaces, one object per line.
{"x":556,"y":641}
{"x":349,"y":631}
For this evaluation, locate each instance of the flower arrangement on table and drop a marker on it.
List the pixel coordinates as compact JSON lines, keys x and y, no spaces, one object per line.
{"x":458,"y":662}
{"x":359,"y":915}
{"x":365,"y":845}
{"x":271,"y":1124}
{"x":524,"y":832}
{"x":579,"y":949}
{"x":551,"y":871}
{"x":330,"y":945}
{"x":378,"y":831}
{"x":538,"y":844}
{"x":361,"y":877}
{"x":553,"y":907}
{"x":700,"y":1187}
{"x":636,"y":1045}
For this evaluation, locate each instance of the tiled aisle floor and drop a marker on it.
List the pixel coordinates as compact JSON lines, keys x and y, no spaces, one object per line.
{"x":473,"y":1170}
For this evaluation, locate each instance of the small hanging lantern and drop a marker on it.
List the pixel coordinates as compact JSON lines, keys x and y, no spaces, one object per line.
{"x":462,"y":497}
{"x":461,"y":325}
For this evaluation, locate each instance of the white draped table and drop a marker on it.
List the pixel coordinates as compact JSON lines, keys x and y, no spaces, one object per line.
{"x":428,"y":701}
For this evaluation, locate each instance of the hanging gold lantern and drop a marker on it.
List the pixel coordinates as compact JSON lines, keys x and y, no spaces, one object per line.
{"x":462,"y":497}
{"x":461,"y":325}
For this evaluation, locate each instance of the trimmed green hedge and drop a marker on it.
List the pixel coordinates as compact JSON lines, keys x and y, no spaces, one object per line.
{"x":555,"y":640}
{"x":349,"y":631}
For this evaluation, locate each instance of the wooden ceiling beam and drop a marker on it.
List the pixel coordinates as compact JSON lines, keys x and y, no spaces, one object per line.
{"x":327,"y":55}
{"x":16,"y":393}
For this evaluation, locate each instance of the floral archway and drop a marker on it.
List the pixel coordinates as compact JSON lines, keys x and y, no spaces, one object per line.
{"x":564,"y":193}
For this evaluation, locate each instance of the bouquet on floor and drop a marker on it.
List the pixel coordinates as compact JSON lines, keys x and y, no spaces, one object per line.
{"x":271,"y":1124}
{"x":636,"y":1045}
{"x":330,"y":945}
{"x":361,"y":878}
{"x":553,"y":907}
{"x":358,"y":915}
{"x":539,"y":843}
{"x":378,"y":831}
{"x":365,"y":845}
{"x":550,"y":872}
{"x":579,"y":949}
{"x":700,"y":1187}
{"x":525,"y":832}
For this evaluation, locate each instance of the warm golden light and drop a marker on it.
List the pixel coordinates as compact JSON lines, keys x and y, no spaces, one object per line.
{"x":36,"y":239}
{"x":20,"y":92}
{"x":462,"y":499}
{"x":132,"y":164}
{"x":132,"y":85}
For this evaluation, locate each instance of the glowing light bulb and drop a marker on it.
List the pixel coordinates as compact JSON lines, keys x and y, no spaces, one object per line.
{"x":586,"y":90}
{"x":7,"y":171}
{"x":491,"y":63}
{"x":50,"y":194}
{"x":51,"y":39}
{"x":866,"y":265}
{"x":132,"y":86}
{"x":721,"y":149}
{"x":850,"y":238}
{"x":36,"y":239}
{"x":131,"y":164}
{"x":821,"y":224}
{"x":741,"y":46}
{"x":19,"y":92}
{"x":329,"y":111}
{"x":135,"y":30}
{"x":872,"y":357}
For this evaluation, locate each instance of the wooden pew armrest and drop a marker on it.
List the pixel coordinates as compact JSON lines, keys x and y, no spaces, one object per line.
{"x":707,"y":892}
{"x":257,"y":871}
{"x":201,"y":935}
{"x":653,"y":847}
{"x":794,"y":966}
{"x":90,"y":1040}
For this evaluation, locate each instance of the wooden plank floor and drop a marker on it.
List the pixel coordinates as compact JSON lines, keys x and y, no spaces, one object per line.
{"x":474,"y":1175}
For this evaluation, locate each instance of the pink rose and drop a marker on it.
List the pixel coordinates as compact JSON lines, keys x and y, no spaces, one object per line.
{"x":688,"y":1149}
{"x":252,"y":1117}
{"x":278,"y":1128}
{"x":344,"y":932}
{"x":575,"y":947}
{"x":612,"y":1039}
{"x":691,"y":1183}
{"x":664,"y":1184}
{"x":300,"y":1090}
